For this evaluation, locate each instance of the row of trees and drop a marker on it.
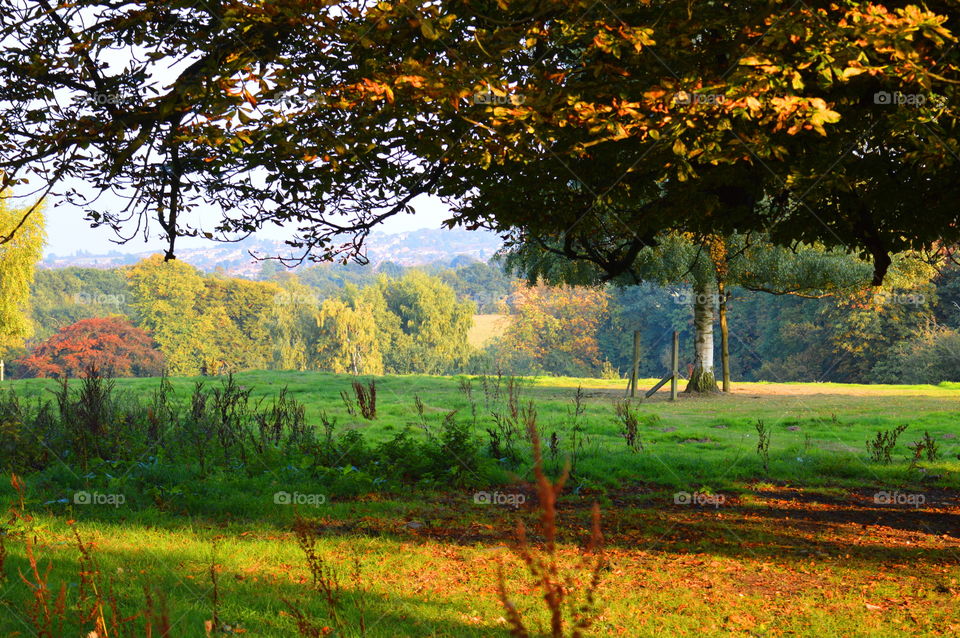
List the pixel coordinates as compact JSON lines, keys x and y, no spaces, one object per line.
{"x":418,"y":321}
{"x":414,"y":323}
{"x":126,"y":318}
{"x":859,"y":338}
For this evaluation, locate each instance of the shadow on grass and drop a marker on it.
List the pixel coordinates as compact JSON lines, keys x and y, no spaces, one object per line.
{"x":251,"y":604}
{"x":761,"y":524}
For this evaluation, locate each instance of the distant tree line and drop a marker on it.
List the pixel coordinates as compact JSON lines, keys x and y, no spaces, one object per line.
{"x":390,"y":319}
{"x":905,"y":332}
{"x":344,"y":319}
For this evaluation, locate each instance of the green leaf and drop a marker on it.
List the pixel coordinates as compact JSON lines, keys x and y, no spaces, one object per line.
{"x":428,"y":30}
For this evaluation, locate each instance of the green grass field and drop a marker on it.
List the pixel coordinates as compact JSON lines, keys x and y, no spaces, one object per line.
{"x":702,"y":536}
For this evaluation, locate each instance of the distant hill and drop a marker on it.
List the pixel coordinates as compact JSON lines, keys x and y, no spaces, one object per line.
{"x":413,"y":248}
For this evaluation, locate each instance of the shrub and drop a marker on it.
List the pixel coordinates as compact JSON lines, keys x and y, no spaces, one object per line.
{"x":882,"y":445}
{"x":166,"y":441}
{"x":113,"y":345}
{"x":454,"y":452}
{"x":404,"y":455}
{"x":629,"y":424}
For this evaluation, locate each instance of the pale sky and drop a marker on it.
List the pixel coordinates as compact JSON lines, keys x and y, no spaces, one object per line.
{"x":68,"y":232}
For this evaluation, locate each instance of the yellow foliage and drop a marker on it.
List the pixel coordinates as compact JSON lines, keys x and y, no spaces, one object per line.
{"x":18,"y":259}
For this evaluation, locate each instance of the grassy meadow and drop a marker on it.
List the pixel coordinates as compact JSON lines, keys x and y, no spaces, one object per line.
{"x":704,"y":534}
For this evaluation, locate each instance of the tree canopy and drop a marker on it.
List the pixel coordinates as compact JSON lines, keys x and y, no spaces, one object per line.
{"x":824,"y":122}
{"x":598,"y":127}
{"x":246,"y":108}
{"x":19,"y":258}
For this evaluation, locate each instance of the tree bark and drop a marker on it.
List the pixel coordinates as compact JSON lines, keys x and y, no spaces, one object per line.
{"x":724,"y":336}
{"x":703,"y":379}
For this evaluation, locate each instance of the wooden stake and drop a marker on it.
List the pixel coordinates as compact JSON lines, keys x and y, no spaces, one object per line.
{"x":636,"y":364}
{"x":675,"y":365}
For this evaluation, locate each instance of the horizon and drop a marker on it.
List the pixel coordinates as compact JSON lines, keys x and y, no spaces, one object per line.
{"x":69,"y":234}
{"x":410,"y":248}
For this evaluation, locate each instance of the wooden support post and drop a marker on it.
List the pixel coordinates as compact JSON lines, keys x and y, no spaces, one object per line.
{"x":635,"y":371}
{"x":662,"y":382}
{"x":675,"y":365}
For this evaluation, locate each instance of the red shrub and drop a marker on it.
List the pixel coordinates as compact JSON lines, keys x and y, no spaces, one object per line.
{"x":113,"y":345}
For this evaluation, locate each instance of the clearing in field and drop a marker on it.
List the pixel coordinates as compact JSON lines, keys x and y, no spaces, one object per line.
{"x":486,"y":328}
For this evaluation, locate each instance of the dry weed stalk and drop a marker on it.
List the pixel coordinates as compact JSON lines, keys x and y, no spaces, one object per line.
{"x":324,"y":580}
{"x":366,"y":398}
{"x":45,"y":613}
{"x":558,"y":589}
{"x":156,"y":618}
{"x":50,"y":616}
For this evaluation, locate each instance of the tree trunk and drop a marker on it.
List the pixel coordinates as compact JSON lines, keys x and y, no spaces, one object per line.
{"x":702,"y":379}
{"x":724,"y":336}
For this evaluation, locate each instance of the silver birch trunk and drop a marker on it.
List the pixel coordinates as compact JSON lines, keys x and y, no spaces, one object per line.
{"x":703,"y":379}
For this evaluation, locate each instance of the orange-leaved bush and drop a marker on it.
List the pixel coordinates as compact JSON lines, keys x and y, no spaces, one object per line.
{"x":112,"y":345}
